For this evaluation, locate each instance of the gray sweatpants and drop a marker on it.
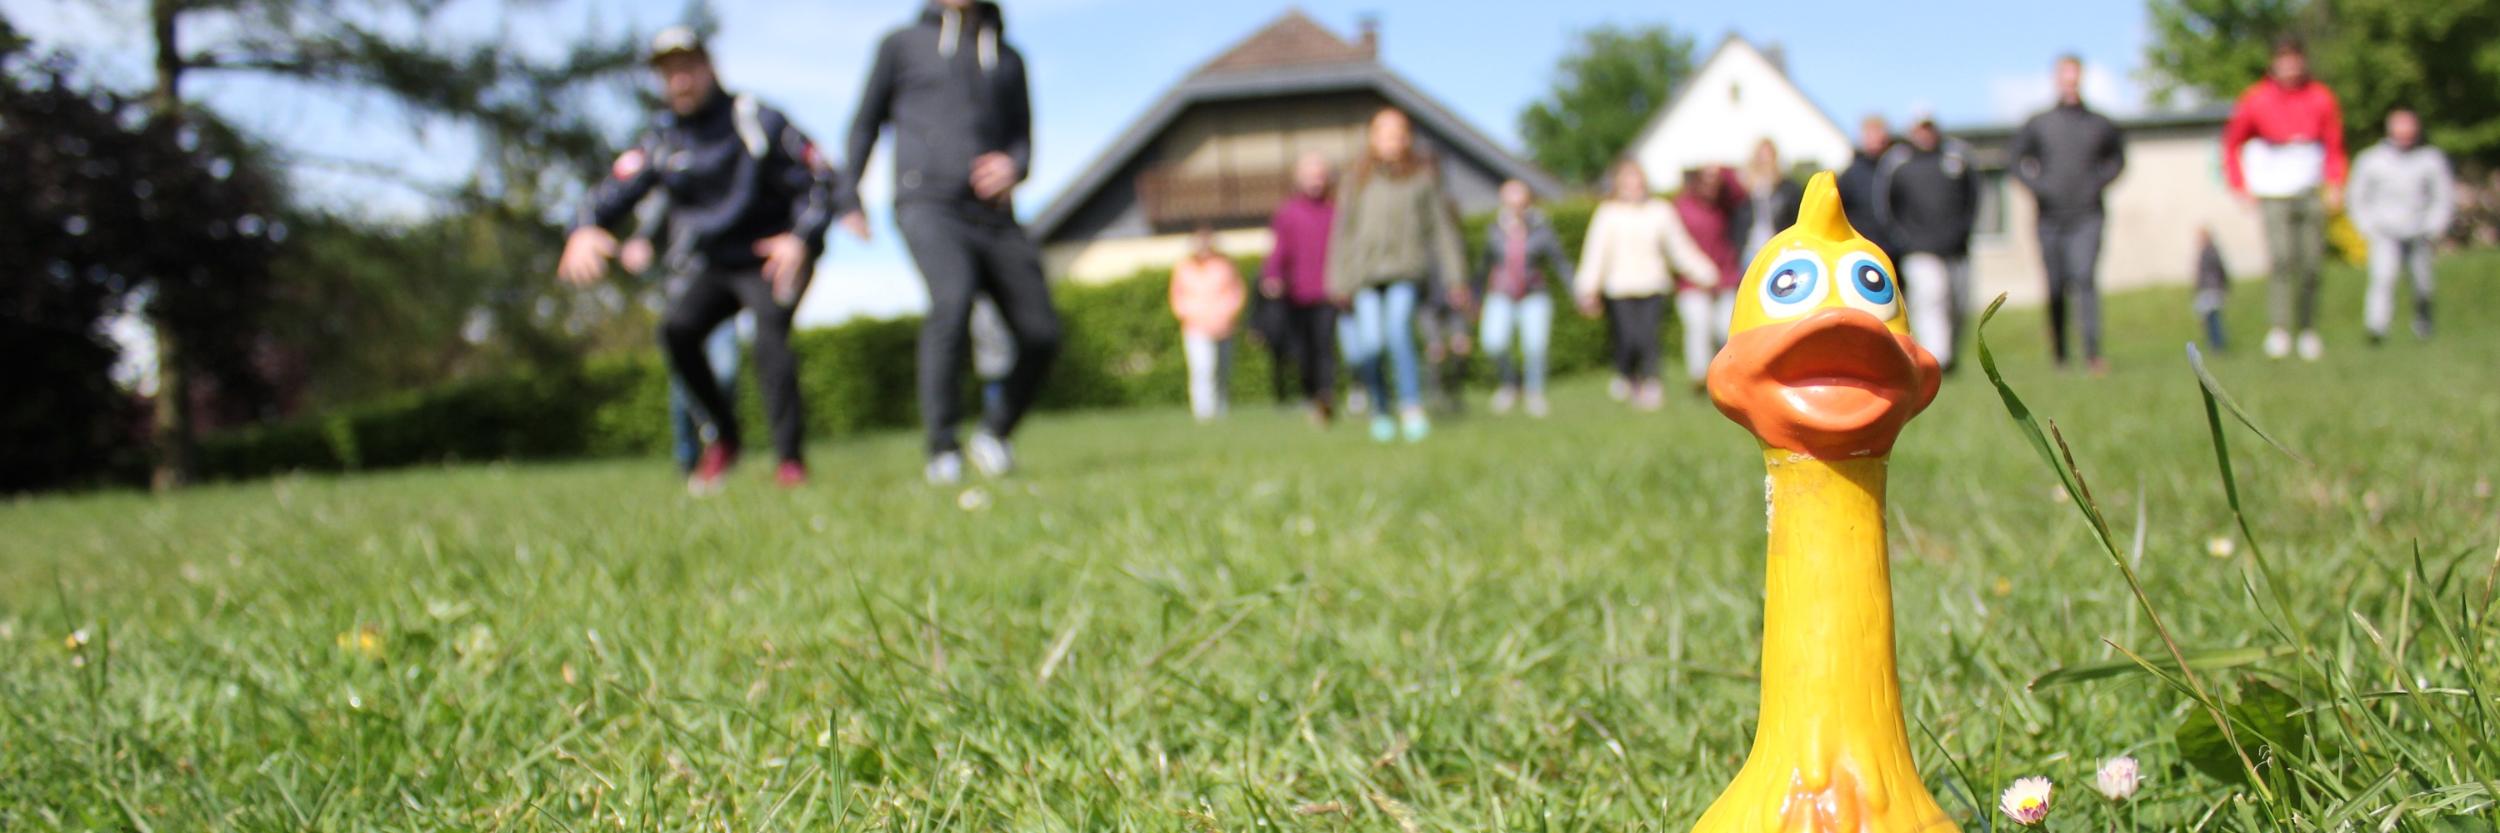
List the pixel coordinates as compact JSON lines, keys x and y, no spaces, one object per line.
{"x":2389,"y":256}
{"x":965,"y":251}
{"x":2070,"y":251}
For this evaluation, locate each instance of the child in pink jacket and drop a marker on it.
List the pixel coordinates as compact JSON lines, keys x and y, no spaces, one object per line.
{"x":1207,"y":296}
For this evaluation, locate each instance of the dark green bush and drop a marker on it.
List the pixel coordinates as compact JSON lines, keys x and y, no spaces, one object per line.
{"x":1122,"y":350}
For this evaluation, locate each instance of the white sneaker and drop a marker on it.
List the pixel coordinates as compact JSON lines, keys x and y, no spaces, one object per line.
{"x":990,"y":455}
{"x":1537,"y":407}
{"x":945,"y":469}
{"x":2278,"y":343}
{"x":1619,"y":390}
{"x":1357,"y":402}
{"x":1504,"y":399}
{"x":2312,"y":348}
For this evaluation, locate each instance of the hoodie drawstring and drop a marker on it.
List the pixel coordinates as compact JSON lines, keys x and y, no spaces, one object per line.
{"x":950,"y":30}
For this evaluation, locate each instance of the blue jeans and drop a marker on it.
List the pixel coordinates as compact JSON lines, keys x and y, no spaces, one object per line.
{"x":1384,"y":321}
{"x":1532,"y":319}
{"x":721,"y":350}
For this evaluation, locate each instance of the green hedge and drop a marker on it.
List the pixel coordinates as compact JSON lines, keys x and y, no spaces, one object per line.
{"x":1122,"y":350}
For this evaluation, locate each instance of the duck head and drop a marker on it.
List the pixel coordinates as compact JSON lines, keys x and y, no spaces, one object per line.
{"x":1819,"y":359}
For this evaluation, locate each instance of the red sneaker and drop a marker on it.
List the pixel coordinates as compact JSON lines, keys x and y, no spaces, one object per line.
{"x":791,"y":475}
{"x":710,"y":471}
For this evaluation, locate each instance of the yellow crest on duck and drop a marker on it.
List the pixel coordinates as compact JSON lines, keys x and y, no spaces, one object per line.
{"x":1821,"y":368}
{"x":1819,"y":359}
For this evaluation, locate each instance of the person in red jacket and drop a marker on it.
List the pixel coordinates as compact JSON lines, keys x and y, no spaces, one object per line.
{"x":2284,"y":149}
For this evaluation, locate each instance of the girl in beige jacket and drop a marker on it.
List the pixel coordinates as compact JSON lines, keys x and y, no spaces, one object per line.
{"x":1635,"y":247}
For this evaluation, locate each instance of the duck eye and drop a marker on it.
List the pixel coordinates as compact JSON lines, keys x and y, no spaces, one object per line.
{"x":1794,"y":286}
{"x":1872,"y":286}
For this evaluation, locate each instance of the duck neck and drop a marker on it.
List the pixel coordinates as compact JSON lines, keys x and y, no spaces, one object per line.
{"x":1828,"y":676}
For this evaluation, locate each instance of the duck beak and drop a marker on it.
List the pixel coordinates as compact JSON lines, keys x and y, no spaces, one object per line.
{"x":1837,"y":383}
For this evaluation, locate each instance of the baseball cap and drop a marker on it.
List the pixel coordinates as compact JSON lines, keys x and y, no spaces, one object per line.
{"x":676,"y":40}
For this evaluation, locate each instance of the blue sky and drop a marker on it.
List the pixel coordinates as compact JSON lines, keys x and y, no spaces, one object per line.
{"x":1096,"y":64}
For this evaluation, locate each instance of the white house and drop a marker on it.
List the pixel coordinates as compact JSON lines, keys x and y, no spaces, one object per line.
{"x":1740,"y":96}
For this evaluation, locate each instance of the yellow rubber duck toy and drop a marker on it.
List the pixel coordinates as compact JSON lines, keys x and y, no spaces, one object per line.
{"x":1819,"y":365}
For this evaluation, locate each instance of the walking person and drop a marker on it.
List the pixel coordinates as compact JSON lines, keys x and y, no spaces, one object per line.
{"x":1207,"y":297}
{"x":1523,"y":260}
{"x":753,"y":198}
{"x":1857,"y":182}
{"x":1770,"y":206}
{"x":1393,"y":235}
{"x":1296,"y":274}
{"x":1929,"y":197}
{"x":2403,"y":198}
{"x":1625,"y":266}
{"x":2213,"y":290}
{"x":954,"y":91}
{"x":2068,"y":156}
{"x":1707,"y":204}
{"x":2283,"y":149}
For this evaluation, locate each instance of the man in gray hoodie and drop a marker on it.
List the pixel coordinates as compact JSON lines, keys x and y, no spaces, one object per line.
{"x":2068,"y":156}
{"x":2402,"y":197}
{"x":955,"y":94}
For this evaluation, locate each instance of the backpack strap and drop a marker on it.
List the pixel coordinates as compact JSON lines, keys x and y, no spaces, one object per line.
{"x":748,"y":116}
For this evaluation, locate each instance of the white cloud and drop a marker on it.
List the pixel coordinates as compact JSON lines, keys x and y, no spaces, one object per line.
{"x":2015,"y":96}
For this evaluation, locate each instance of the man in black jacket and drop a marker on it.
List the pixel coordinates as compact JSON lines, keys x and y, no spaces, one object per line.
{"x":2068,"y":156}
{"x":954,"y":92}
{"x":1927,"y":193}
{"x":750,"y":198}
{"x":1858,"y":181}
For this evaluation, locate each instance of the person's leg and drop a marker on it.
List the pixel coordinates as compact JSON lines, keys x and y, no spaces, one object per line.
{"x":1494,"y":331}
{"x":685,"y":433}
{"x":707,"y":301}
{"x":2378,"y":304}
{"x":1619,"y":337}
{"x":1224,"y":375}
{"x":1957,"y":314}
{"x":776,"y":364}
{"x":939,"y":247}
{"x":2419,"y":253}
{"x":2053,"y":266}
{"x":1536,"y":334}
{"x":1398,"y":329}
{"x":1367,"y":338}
{"x":2213,"y":329}
{"x":1011,"y":268}
{"x":2283,"y":247}
{"x":1722,"y":319}
{"x":1643,"y":323}
{"x":1692,"y":311}
{"x":2311,"y":220}
{"x":1198,"y":353}
{"x":1923,"y":278}
{"x":2083,"y":252}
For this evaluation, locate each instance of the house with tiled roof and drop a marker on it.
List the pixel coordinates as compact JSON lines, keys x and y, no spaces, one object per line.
{"x":1219,"y":146}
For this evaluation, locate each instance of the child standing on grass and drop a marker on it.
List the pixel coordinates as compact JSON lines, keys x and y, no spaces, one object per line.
{"x":1636,"y":245}
{"x":1394,"y":232}
{"x":1207,"y":296}
{"x":2213,"y":286}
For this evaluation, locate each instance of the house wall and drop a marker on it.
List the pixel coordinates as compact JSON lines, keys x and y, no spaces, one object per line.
{"x":1109,"y":237}
{"x":1735,"y":101}
{"x":2173,"y":184}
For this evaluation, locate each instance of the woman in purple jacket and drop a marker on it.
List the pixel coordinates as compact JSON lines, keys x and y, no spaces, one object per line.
{"x":1296,"y":275}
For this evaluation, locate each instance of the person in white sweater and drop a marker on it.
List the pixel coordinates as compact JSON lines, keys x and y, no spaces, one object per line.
{"x":2403,"y":197}
{"x":1635,"y":247}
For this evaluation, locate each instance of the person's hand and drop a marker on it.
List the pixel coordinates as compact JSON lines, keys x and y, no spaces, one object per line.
{"x":785,"y":258}
{"x":1272,"y":287}
{"x":1343,"y":303}
{"x":1589,"y":307}
{"x":2244,"y":198}
{"x":586,"y":254}
{"x":1463,"y":301}
{"x":636,"y":255}
{"x":856,"y":223}
{"x":993,"y":175}
{"x":2334,"y":198}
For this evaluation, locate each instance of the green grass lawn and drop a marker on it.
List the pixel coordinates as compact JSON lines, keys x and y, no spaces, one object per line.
{"x":1160,"y":626}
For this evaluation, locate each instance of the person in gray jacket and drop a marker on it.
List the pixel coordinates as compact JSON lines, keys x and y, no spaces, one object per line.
{"x":2402,"y":197}
{"x":1927,"y":192}
{"x":954,"y":91}
{"x":2068,"y":156}
{"x":1523,"y":257}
